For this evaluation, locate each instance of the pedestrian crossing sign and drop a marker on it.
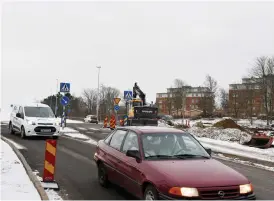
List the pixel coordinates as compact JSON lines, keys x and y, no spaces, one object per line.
{"x":117,"y":101}
{"x":128,"y":95}
{"x":65,"y":87}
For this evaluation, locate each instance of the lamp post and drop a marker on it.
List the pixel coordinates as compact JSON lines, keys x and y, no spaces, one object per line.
{"x":56,"y":97}
{"x":98,"y":93}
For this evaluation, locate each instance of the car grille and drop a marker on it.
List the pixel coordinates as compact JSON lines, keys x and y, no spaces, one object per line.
{"x":46,"y":124}
{"x":213,"y":193}
{"x":39,"y":128}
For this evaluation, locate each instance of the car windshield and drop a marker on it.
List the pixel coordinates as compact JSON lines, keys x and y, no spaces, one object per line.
{"x":172,"y":145}
{"x":44,"y":112}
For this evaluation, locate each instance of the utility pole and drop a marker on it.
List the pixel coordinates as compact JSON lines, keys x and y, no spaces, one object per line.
{"x":56,"y":98}
{"x":98,"y":93}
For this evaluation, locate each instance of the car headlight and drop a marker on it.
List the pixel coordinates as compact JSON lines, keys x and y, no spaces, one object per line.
{"x":246,"y":188}
{"x":56,"y":124}
{"x":31,"y":122}
{"x":184,"y":191}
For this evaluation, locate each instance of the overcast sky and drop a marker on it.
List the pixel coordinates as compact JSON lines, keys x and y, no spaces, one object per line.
{"x":148,"y":43}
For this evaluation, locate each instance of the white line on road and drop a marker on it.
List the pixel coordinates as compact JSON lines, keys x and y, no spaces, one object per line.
{"x":18,"y":146}
{"x":81,"y":128}
{"x":95,"y":129}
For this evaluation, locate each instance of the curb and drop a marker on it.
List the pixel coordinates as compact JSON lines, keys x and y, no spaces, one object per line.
{"x":28,"y":169}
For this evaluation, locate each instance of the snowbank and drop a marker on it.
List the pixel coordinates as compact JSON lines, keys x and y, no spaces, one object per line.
{"x":236,"y":149}
{"x":229,"y":134}
{"x":52,"y":195}
{"x":15,"y":183}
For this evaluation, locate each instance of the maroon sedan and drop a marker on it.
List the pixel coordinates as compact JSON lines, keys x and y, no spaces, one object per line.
{"x":155,"y":163}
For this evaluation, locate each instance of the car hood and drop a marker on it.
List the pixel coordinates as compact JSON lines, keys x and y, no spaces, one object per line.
{"x":198,"y":173}
{"x":42,"y":120}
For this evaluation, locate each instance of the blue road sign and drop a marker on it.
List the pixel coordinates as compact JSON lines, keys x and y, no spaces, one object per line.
{"x":64,"y":100}
{"x":116,"y":107}
{"x":128,"y":95}
{"x":64,"y":87}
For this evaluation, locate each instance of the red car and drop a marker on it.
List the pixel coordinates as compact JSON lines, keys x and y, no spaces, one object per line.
{"x":155,"y":163}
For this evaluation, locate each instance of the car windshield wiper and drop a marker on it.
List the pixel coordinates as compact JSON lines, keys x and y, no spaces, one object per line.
{"x":159,"y":156}
{"x":190,"y":156}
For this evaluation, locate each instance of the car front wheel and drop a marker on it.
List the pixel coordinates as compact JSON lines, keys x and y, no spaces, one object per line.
{"x":151,"y":193}
{"x":11,"y":129}
{"x":102,"y":175}
{"x":23,"y":133}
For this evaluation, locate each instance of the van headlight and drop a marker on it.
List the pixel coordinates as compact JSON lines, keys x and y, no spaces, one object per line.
{"x":30,"y":122}
{"x":246,"y":188}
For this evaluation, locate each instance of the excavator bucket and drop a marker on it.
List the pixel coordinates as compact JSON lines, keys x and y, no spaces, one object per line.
{"x":261,"y":141}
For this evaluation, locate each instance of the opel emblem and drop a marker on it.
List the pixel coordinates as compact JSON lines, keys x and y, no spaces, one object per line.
{"x":221,"y":193}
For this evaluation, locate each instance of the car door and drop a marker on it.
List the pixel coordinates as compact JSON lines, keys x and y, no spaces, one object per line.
{"x":113,"y":155}
{"x":132,"y":175}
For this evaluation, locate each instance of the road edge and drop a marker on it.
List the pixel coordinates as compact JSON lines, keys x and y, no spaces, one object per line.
{"x":32,"y":176}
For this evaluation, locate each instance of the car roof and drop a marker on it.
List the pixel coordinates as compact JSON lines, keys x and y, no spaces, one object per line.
{"x":152,"y":129}
{"x":35,"y":105}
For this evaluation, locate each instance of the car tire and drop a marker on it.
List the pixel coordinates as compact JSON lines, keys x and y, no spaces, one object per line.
{"x":11,"y":131}
{"x":151,"y":193}
{"x":23,"y":133}
{"x":102,"y":175}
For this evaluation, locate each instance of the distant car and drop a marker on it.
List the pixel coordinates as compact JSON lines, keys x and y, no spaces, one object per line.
{"x":91,"y":119}
{"x":34,"y":119}
{"x":165,"y":163}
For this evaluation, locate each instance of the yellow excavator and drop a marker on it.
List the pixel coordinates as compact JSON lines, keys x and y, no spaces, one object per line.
{"x":138,"y":112}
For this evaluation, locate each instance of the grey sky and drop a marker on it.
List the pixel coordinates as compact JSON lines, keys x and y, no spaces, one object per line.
{"x":151,"y":43}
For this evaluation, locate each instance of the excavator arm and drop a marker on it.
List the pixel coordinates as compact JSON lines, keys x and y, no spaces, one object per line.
{"x":139,"y":92}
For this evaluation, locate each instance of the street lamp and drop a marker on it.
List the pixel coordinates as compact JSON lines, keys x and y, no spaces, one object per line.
{"x":98,"y":93}
{"x":56,"y":97}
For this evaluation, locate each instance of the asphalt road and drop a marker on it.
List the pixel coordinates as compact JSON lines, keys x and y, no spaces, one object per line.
{"x":76,"y":172}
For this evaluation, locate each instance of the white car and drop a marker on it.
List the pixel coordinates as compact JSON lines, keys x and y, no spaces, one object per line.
{"x":34,"y":120}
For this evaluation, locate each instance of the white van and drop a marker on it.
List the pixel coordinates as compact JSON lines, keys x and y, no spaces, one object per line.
{"x":34,"y":119}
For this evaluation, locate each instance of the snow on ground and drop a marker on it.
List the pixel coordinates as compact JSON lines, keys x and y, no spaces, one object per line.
{"x":221,"y":156}
{"x":229,"y":134}
{"x":236,"y":149}
{"x":70,"y":121}
{"x":77,"y":135}
{"x":15,"y":183}
{"x":53,"y":195}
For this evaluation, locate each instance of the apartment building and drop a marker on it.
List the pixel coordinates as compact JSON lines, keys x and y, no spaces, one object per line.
{"x":191,"y":98}
{"x":247,"y":98}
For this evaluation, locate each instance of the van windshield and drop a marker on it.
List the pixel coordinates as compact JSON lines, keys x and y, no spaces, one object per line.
{"x":44,"y":112}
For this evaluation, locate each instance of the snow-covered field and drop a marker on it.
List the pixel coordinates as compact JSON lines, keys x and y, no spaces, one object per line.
{"x":15,"y":183}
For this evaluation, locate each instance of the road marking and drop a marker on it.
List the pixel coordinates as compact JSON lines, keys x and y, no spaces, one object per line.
{"x":89,"y":141}
{"x":95,"y":129}
{"x":81,"y":128}
{"x":18,"y":146}
{"x":90,"y":132}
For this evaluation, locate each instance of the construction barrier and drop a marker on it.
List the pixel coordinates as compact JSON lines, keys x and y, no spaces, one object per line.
{"x":112,"y":122}
{"x":125,"y":120}
{"x":49,"y":165}
{"x":106,"y":122}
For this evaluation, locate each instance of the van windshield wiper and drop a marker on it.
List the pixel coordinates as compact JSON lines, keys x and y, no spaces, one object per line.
{"x":190,"y":156}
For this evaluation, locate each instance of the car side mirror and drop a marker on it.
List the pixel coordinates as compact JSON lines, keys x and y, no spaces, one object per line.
{"x":18,"y":115}
{"x":134,"y":154}
{"x":209,"y":151}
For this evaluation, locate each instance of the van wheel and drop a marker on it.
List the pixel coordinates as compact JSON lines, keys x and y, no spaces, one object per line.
{"x":102,"y":175}
{"x":23,"y":133}
{"x":11,"y":128}
{"x":151,"y":193}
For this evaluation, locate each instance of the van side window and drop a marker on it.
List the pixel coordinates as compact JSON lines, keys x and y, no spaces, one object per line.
{"x":21,"y":112}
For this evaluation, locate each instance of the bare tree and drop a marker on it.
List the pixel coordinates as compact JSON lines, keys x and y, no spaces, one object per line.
{"x":224,"y":98}
{"x":208,"y":101}
{"x":90,"y":96}
{"x":262,"y":73}
{"x":179,"y":95}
